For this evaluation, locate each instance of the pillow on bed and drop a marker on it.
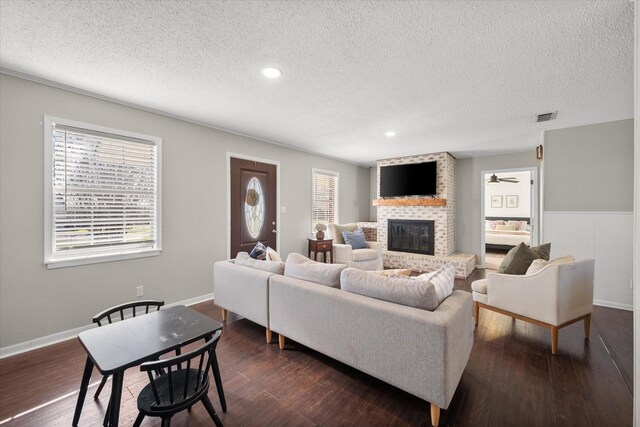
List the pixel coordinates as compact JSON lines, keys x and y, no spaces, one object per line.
{"x":491,"y":225}
{"x":520,"y":225}
{"x":506,"y":227}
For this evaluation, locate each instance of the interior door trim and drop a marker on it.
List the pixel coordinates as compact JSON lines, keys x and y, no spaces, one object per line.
{"x":228,"y":222}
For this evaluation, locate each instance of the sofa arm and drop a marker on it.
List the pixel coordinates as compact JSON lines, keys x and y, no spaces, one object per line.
{"x":342,"y":254}
{"x":376,"y":245}
{"x":242,"y":290}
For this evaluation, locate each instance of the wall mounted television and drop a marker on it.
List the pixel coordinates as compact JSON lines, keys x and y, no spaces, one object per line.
{"x":414,"y":179}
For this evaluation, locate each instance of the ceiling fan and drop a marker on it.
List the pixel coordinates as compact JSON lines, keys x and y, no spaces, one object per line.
{"x":495,"y":180}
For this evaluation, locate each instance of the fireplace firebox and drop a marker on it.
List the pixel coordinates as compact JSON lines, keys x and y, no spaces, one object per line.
{"x":414,"y":236}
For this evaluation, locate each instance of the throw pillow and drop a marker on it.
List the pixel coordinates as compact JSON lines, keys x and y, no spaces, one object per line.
{"x":355,"y":239}
{"x":401,"y":290}
{"x":539,"y":264}
{"x":506,"y":227}
{"x":301,"y":267}
{"x":337,"y":229}
{"x":245,"y":260}
{"x":518,"y":260}
{"x":259,"y":251}
{"x":396,"y":271}
{"x":443,"y":279}
{"x":273,"y":255}
{"x":543,"y":251}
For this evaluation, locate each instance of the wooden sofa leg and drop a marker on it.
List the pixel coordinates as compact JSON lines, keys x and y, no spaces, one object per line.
{"x":476,"y":312}
{"x":554,"y":339}
{"x":281,"y":341}
{"x":224,"y":315}
{"x":268,"y":334}
{"x":587,"y":326}
{"x":435,"y":415}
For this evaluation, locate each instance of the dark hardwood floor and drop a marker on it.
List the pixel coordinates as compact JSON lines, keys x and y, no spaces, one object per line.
{"x":511,"y":380}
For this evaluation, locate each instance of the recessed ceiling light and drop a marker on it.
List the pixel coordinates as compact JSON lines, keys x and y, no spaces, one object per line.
{"x":272,"y":73}
{"x":390,"y":134}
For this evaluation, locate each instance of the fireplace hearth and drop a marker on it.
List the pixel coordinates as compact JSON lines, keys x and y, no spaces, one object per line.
{"x":413,"y":236}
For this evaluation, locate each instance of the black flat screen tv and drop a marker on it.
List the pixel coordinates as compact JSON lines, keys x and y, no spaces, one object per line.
{"x":414,"y":179}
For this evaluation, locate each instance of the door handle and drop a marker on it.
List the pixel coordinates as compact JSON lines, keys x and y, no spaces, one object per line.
{"x":273,"y":223}
{"x":274,"y":231}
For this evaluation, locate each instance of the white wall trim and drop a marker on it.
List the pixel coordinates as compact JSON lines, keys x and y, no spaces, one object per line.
{"x":254,"y":159}
{"x":612,"y":304}
{"x":36,"y":343}
{"x":586,"y":213}
{"x":62,"y":86}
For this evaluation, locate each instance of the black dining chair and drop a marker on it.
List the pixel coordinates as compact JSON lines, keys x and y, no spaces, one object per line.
{"x":122,"y":312}
{"x":178,"y":388}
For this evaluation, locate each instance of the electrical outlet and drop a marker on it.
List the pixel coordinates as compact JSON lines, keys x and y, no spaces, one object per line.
{"x":140,"y":291}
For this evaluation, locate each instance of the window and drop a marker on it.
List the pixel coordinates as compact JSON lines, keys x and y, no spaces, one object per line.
{"x":325,"y":197}
{"x":102,"y":194}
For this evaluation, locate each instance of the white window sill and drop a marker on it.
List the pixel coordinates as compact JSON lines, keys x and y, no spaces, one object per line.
{"x":98,"y":258}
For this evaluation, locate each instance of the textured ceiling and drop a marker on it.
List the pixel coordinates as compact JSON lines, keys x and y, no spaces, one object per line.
{"x":465,"y":77}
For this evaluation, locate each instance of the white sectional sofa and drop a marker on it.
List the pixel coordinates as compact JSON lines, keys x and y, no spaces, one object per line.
{"x":419,"y":351}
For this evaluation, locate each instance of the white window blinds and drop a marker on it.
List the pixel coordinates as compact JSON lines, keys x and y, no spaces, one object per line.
{"x":324,"y":193}
{"x":104,"y":192}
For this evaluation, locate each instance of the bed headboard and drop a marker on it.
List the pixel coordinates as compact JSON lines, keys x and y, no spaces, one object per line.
{"x":508,"y":218}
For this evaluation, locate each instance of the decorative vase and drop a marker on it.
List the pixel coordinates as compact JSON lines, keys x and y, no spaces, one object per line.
{"x":319,"y":235}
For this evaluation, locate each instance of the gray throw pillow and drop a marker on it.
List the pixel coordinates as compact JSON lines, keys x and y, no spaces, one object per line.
{"x":401,"y":290}
{"x":518,"y":260}
{"x":543,"y":251}
{"x":300,"y":267}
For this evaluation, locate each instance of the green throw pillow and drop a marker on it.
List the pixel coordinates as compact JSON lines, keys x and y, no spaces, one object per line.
{"x":543,"y":251}
{"x":337,"y":237}
{"x":518,"y":260}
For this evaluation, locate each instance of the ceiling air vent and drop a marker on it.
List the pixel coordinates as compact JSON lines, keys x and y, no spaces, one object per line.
{"x":546,"y":117}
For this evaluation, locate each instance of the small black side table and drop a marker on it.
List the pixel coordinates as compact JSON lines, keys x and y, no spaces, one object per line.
{"x":324,"y":246}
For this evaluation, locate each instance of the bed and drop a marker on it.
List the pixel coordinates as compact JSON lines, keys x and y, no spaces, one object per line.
{"x":503,"y":233}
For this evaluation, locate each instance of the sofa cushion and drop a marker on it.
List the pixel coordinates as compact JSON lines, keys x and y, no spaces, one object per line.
{"x":300,"y":267}
{"x":272,"y":255}
{"x":364,"y":254}
{"x":480,"y":286}
{"x":443,"y":279}
{"x":404,"y":291}
{"x":543,"y":251}
{"x":337,"y":229}
{"x":259,"y":251}
{"x":518,"y":260}
{"x":394,"y":272}
{"x":244,"y":259}
{"x":355,"y":239}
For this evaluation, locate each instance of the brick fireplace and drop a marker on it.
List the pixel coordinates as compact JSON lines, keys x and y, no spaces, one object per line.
{"x":413,"y":236}
{"x":441,"y":213}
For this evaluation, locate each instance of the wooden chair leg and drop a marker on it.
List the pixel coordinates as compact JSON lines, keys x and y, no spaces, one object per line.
{"x":101,"y":386}
{"x":587,"y":326}
{"x":212,"y":413}
{"x":268,"y":334}
{"x":224,"y":314}
{"x":554,"y":339}
{"x":281,"y":341}
{"x":476,"y":312}
{"x":435,"y":415}
{"x":166,"y":422}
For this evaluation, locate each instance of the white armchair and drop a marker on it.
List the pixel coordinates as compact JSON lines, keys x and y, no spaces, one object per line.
{"x":365,"y":259}
{"x":554,"y":297}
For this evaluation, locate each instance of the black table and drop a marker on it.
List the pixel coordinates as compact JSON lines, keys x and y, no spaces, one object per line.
{"x":116,"y":347}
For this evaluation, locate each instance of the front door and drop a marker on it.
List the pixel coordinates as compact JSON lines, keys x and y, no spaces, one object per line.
{"x":253,"y":205}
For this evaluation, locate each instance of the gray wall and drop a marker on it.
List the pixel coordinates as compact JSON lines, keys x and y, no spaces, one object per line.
{"x":373,"y":193}
{"x":589,"y":168}
{"x":468,"y":186}
{"x":36,"y":302}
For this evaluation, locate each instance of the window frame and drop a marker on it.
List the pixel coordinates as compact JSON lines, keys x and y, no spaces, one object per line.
{"x":53,"y":260}
{"x":336,"y":176}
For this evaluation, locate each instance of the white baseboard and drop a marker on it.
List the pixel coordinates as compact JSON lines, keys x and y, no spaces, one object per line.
{"x":611,"y":304}
{"x":23,"y":347}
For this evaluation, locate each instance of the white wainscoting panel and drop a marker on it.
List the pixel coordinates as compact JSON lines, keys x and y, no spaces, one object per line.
{"x":607,"y":237}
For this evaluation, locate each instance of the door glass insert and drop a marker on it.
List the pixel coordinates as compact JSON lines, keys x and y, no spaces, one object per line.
{"x":254,"y":207}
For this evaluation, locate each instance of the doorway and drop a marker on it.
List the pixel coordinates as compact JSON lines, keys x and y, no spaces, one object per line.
{"x":509,"y":206}
{"x":253,"y":204}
